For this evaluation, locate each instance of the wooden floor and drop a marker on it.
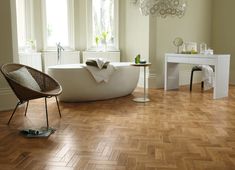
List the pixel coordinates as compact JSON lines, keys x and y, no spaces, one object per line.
{"x":177,"y":130}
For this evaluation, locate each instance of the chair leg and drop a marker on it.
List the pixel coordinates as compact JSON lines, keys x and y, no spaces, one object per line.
{"x":46,"y":113}
{"x":202,"y":85}
{"x":58,"y":105}
{"x":191,"y":81}
{"x":26,"y":109}
{"x":17,"y":105}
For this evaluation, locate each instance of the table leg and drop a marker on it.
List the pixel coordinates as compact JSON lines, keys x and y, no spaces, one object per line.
{"x":171,"y":76}
{"x":145,"y":98}
{"x":221,"y":85}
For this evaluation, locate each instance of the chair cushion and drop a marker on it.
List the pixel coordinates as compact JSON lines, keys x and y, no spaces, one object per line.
{"x":24,"y":78}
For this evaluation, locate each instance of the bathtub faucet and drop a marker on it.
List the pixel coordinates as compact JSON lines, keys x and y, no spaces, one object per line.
{"x":59,"y":48}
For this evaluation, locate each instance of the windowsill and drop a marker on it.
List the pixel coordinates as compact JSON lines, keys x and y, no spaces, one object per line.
{"x":109,"y":49}
{"x":29,"y":52}
{"x":54,"y":50}
{"x":94,"y":51}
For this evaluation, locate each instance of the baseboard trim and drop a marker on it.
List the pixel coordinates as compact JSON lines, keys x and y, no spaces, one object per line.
{"x":9,"y":101}
{"x":157,"y":80}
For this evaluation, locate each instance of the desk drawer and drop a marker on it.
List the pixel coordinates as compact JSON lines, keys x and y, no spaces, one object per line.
{"x":172,"y":59}
{"x":202,"y":61}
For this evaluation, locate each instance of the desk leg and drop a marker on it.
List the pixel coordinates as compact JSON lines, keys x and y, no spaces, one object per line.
{"x":221,"y":78}
{"x":171,"y":76}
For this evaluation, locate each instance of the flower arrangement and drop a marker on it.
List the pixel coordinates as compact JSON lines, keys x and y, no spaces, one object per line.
{"x":31,"y":46}
{"x":103,"y":39}
{"x":97,"y":40}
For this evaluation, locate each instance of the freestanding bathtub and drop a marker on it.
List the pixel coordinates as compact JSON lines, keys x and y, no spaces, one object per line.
{"x":79,"y":85}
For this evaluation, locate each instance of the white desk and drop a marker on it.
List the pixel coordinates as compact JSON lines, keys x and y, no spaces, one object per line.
{"x":221,"y":63}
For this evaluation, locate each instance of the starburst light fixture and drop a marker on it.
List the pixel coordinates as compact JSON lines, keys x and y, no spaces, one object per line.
{"x":162,"y":8}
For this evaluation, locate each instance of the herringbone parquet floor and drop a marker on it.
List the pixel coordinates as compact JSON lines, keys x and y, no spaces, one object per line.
{"x":177,"y":130}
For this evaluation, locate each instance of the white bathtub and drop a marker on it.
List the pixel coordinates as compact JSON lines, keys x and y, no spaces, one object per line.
{"x":79,"y":85}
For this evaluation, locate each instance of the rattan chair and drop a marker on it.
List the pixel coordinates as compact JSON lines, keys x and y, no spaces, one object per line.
{"x":49,"y":87}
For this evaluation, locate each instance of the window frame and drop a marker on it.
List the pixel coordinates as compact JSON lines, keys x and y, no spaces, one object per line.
{"x":70,"y":14}
{"x":90,"y":47}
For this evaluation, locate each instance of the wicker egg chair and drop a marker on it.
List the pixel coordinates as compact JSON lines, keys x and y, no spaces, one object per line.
{"x":49,"y":87}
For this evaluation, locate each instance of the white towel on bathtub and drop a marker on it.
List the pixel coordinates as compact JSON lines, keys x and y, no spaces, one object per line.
{"x":101,"y":74}
{"x":100,"y":63}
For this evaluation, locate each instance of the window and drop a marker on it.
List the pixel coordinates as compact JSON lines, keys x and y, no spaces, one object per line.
{"x":58,"y":23}
{"x":103,"y":24}
{"x":21,"y":24}
{"x":24,"y":23}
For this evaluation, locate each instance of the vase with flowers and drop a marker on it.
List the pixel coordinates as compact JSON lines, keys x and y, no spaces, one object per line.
{"x":104,"y":39}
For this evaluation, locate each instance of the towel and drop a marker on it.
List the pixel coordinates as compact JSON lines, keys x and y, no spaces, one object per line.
{"x":208,"y":77}
{"x":100,"y":63}
{"x":101,"y":74}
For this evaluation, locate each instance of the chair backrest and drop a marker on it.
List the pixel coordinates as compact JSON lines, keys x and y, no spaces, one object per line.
{"x":45,"y":82}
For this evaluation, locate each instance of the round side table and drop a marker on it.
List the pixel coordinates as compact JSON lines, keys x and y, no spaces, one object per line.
{"x":145,"y":98}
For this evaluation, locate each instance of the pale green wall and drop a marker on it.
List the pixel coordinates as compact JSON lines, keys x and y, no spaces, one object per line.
{"x":6,"y":49}
{"x":135,"y":34}
{"x":194,"y":26}
{"x":223,"y":32}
